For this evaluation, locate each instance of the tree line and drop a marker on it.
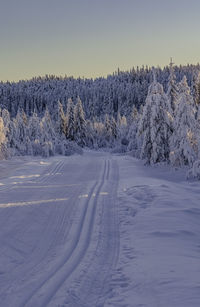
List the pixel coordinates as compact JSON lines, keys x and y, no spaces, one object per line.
{"x":162,"y":126}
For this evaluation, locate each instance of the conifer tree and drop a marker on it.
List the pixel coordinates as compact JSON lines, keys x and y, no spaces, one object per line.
{"x":20,"y":133}
{"x":183,"y":141}
{"x":48,"y":130}
{"x":154,"y":126}
{"x":61,"y":120}
{"x":113,"y":125}
{"x":80,"y":124}
{"x":196,"y":90}
{"x":132,"y":133}
{"x":48,"y":135}
{"x":108,"y":129}
{"x":172,"y":91}
{"x":35,"y":134}
{"x":70,"y":121}
{"x":3,"y":141}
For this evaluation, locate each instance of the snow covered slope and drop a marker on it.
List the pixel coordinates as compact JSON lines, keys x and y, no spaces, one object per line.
{"x":97,"y":230}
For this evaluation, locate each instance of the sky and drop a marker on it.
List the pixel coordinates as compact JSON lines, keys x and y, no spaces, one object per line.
{"x":92,"y":38}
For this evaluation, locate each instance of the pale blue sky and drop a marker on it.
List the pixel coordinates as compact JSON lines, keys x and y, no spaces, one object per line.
{"x":94,"y":37}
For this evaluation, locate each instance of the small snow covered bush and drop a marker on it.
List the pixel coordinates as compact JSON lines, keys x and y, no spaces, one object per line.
{"x":71,"y":148}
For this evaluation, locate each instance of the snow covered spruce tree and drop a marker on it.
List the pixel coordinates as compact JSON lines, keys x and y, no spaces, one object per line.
{"x":8,"y":128}
{"x":113,"y":125}
{"x":172,"y":91}
{"x":196,"y":89}
{"x":132,"y":133}
{"x":108,"y":130}
{"x":183,"y":140}
{"x":3,"y":141}
{"x":70,"y":121}
{"x":21,"y":132}
{"x":48,"y":137}
{"x":61,"y":120}
{"x":35,"y":134}
{"x":122,"y":132}
{"x":155,"y":125}
{"x":11,"y":132}
{"x":80,"y":133}
{"x":194,"y":171}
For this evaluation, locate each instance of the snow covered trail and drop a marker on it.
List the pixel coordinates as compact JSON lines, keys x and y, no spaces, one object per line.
{"x":59,"y":231}
{"x":97,"y":230}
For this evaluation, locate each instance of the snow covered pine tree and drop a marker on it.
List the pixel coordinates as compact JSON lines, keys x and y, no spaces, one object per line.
{"x":154,"y":125}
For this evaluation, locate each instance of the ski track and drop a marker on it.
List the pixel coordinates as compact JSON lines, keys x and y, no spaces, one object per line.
{"x":59,"y":239}
{"x":92,"y":288}
{"x":76,"y":252}
{"x":45,"y":177}
{"x":54,"y":224}
{"x":41,"y":267}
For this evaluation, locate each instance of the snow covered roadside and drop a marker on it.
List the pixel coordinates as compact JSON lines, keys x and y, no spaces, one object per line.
{"x":59,"y":233}
{"x":159,"y":261}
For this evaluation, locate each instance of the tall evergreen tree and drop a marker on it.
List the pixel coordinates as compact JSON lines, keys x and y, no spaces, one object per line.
{"x":108,"y":130}
{"x":154,"y":125}
{"x":48,"y":135}
{"x":132,"y":133}
{"x":61,"y":120}
{"x":3,"y":141}
{"x":183,"y":141}
{"x":35,"y":134}
{"x":70,"y":121}
{"x":47,"y":125}
{"x":80,"y":124}
{"x":196,"y":90}
{"x":172,"y":91}
{"x":113,"y":125}
{"x":20,"y":133}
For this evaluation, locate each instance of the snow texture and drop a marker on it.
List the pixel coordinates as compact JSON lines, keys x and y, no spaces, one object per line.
{"x":97,"y":230}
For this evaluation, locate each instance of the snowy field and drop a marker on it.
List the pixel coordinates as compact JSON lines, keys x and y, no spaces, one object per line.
{"x":97,"y":230}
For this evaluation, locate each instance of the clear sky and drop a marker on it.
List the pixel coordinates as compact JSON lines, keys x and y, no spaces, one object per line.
{"x":94,"y":37}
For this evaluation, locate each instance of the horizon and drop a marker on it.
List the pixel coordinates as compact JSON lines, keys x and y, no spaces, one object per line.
{"x":100,"y":76}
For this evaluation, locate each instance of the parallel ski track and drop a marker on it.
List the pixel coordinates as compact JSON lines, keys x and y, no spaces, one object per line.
{"x":43,"y":292}
{"x":31,"y":263}
{"x":94,"y":284}
{"x":53,"y":169}
{"x":47,"y":176}
{"x":10,"y":211}
{"x":44,"y":177}
{"x":55,"y":279}
{"x":56,"y":223}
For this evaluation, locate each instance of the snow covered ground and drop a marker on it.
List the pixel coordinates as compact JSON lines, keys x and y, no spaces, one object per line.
{"x":97,"y":230}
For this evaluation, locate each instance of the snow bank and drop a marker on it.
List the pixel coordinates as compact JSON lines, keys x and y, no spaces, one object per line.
{"x":159,"y":262}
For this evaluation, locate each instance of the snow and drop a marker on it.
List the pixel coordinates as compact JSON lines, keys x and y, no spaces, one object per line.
{"x":97,"y":230}
{"x":159,"y":261}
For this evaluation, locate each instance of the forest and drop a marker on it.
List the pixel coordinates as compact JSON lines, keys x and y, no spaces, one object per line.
{"x":152,"y":114}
